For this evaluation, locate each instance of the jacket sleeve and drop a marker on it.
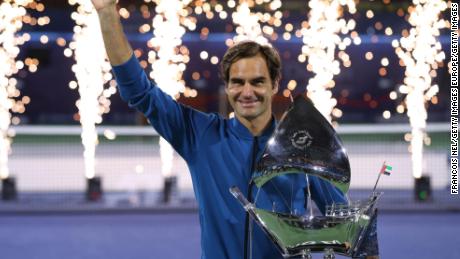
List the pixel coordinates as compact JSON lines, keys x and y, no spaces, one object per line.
{"x":180,"y":125}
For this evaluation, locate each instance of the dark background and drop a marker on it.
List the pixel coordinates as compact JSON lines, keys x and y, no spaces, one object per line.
{"x":53,"y":102}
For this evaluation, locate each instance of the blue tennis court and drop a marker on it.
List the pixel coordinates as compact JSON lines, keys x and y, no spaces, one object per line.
{"x":177,"y":235}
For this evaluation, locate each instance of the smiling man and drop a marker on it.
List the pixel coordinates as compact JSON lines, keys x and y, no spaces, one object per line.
{"x":219,"y":152}
{"x":251,"y":73}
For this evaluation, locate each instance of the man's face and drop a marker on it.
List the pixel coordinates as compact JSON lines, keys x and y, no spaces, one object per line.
{"x":250,"y":89}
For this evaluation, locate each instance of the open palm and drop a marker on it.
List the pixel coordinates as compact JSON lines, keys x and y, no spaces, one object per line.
{"x":99,"y":4}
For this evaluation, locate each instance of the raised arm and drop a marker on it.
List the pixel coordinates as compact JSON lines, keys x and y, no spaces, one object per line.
{"x":181,"y":126}
{"x":118,"y":49}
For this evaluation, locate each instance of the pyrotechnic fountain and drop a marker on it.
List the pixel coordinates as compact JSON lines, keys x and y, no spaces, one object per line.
{"x":249,"y":23}
{"x":92,"y":71}
{"x":420,"y":52}
{"x":168,"y":61}
{"x":12,"y":16}
{"x":321,"y":39}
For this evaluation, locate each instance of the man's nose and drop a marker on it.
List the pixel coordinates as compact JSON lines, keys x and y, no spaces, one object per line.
{"x":247,"y":89}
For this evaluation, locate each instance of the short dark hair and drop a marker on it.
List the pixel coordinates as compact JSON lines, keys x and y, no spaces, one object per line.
{"x":247,"y":49}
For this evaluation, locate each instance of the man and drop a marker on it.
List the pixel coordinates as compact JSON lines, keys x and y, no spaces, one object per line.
{"x":220,"y":152}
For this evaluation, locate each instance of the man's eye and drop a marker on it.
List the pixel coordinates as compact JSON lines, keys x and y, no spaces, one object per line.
{"x":258,"y":82}
{"x":236,"y":82}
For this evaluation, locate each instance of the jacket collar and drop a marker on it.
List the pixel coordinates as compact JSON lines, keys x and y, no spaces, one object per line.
{"x":241,"y":131}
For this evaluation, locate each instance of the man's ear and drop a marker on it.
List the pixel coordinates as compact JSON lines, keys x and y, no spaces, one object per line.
{"x":275,"y":87}
{"x":226,"y":88}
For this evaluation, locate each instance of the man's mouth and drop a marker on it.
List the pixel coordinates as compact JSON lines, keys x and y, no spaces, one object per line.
{"x":248,"y":103}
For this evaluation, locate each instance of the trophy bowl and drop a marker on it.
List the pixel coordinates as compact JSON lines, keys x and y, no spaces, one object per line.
{"x":306,"y":151}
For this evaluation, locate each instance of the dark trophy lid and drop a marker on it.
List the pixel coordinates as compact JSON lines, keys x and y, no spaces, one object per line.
{"x":304,"y":142}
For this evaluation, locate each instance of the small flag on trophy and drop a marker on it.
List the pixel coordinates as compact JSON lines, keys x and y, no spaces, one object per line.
{"x":386,"y":169}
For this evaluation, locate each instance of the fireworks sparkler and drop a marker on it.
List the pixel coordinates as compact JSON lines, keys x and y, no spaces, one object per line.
{"x":12,"y":15}
{"x":92,"y":71}
{"x":169,"y":57}
{"x":249,"y":24}
{"x":321,"y":40}
{"x":421,"y":53}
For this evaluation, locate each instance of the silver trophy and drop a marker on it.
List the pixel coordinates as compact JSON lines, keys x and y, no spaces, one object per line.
{"x":306,"y":145}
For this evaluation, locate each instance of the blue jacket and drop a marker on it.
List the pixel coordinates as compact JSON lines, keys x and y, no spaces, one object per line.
{"x":218,"y":153}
